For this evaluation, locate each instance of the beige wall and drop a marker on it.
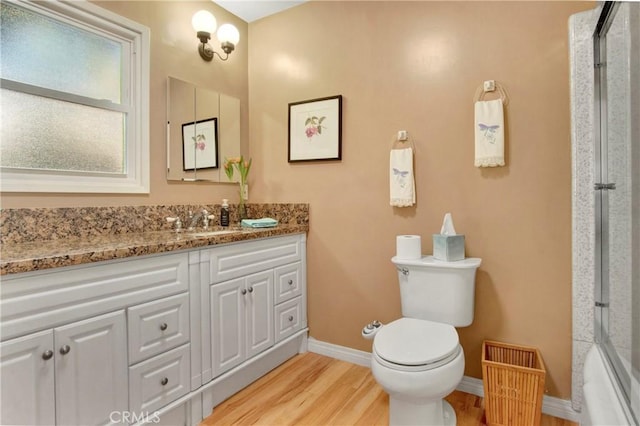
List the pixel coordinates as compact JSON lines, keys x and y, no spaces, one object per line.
{"x":416,"y":66}
{"x":174,"y":52}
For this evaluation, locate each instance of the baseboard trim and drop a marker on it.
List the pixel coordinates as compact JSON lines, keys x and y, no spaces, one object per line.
{"x":552,"y":406}
{"x":343,"y":353}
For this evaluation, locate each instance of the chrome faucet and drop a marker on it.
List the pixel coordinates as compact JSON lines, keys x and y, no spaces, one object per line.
{"x":204,"y":215}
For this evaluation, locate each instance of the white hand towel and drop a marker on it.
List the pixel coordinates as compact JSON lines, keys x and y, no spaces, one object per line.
{"x":489,"y":122}
{"x":401,"y":180}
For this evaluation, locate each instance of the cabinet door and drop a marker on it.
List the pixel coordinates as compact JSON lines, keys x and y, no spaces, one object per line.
{"x":26,"y":374}
{"x":91,"y":370}
{"x":259,"y":312}
{"x":227,"y":325}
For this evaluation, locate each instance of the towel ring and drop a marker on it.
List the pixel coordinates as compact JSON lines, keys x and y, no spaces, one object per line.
{"x":480,"y":92}
{"x":402,"y":144}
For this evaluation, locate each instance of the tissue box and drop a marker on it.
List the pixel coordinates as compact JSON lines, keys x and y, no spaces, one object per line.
{"x":448,"y":247}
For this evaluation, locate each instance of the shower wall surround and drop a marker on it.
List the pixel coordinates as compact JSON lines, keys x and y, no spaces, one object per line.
{"x":581,"y":27}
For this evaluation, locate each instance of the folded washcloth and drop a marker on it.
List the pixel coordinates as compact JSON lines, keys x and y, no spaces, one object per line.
{"x":265,"y":222}
{"x":489,"y":133}
{"x":402,"y":185}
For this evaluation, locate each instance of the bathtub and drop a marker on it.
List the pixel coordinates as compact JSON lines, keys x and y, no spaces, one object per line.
{"x":602,"y":402}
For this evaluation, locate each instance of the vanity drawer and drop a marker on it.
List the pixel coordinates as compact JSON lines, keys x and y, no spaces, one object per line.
{"x":157,"y":382}
{"x":288,"y":282}
{"x":157,"y":326}
{"x":39,"y":300}
{"x":236,"y":260}
{"x":290,"y":317}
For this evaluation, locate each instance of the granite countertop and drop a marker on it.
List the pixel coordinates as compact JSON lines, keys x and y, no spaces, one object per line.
{"x":39,"y":255}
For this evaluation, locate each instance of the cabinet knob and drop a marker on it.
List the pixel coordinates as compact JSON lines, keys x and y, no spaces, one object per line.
{"x":250,"y":289}
{"x":244,"y":291}
{"x":164,"y":381}
{"x":48,"y":354}
{"x":163,"y":326}
{"x":290,"y":282}
{"x":65,"y":349}
{"x":290,"y":318}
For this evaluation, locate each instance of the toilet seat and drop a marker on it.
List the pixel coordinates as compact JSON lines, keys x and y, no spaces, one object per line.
{"x":411,"y":344}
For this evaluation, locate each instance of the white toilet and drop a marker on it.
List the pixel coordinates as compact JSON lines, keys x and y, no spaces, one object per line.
{"x":418,"y":359}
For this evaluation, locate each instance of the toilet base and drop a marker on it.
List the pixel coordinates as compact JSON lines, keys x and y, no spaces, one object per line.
{"x":438,"y":412}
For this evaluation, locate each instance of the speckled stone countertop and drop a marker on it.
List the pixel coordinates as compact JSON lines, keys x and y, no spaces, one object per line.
{"x":27,"y":245}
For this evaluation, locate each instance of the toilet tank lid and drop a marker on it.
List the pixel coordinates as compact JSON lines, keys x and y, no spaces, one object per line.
{"x":430,"y":261}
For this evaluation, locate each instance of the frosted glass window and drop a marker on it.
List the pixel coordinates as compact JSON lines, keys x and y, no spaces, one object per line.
{"x":41,"y":51}
{"x":74,"y":99}
{"x":70,"y":137}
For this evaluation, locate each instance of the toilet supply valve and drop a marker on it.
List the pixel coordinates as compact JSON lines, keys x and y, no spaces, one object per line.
{"x":371,"y":329}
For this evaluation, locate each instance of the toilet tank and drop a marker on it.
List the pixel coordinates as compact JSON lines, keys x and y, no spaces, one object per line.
{"x":438,"y":291}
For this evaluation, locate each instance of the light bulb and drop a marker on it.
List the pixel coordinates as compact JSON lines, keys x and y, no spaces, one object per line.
{"x":204,"y":21}
{"x":228,"y":33}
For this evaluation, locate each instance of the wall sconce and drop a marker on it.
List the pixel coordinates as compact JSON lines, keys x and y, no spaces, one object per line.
{"x":204,"y":23}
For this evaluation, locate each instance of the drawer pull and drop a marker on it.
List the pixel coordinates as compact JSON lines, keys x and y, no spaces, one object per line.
{"x":65,"y":349}
{"x":290,"y":318}
{"x":164,"y":381}
{"x":244,"y":291}
{"x":290,"y":282}
{"x":163,"y":326}
{"x":48,"y":354}
{"x":250,"y":289}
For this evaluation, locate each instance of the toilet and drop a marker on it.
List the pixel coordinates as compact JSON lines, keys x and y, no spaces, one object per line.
{"x":418,"y":359}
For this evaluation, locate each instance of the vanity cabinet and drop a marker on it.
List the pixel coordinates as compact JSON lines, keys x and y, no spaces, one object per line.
{"x":68,"y":348}
{"x":73,"y":374}
{"x":156,"y":339}
{"x":253,"y":311}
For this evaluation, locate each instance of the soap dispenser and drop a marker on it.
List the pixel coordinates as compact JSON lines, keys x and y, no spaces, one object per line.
{"x":224,"y":213}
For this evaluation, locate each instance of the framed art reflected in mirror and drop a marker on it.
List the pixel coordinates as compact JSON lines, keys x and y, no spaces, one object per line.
{"x":200,"y":144}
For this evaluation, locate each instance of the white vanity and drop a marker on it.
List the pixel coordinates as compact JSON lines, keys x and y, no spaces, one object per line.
{"x":156,"y":339}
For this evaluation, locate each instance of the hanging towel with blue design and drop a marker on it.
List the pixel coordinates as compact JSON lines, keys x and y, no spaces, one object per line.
{"x":401,"y":181}
{"x":489,"y":133}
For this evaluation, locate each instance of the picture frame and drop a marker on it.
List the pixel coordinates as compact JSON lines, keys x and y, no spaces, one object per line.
{"x":200,"y":144}
{"x":315,"y":129}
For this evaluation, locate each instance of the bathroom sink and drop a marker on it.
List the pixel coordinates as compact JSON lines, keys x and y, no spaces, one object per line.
{"x":213,"y":233}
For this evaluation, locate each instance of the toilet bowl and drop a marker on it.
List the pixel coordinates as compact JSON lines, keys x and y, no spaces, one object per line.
{"x":418,"y":362}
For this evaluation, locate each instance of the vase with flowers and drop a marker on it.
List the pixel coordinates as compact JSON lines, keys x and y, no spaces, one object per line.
{"x":243,"y":167}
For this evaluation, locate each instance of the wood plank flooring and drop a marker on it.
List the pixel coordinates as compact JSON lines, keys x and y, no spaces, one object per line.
{"x":312,"y":389}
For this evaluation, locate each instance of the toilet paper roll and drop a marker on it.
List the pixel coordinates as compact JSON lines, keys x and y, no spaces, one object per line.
{"x":408,"y":247}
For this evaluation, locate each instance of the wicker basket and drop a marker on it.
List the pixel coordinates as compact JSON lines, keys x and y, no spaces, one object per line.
{"x":513,"y":379}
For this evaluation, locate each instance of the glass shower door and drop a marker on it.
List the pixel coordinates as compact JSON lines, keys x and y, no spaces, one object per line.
{"x":617,"y":48}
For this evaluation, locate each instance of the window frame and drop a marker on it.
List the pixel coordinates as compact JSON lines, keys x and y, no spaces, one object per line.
{"x":135,"y":39}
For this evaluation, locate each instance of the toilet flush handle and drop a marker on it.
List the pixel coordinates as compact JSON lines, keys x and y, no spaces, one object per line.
{"x":403,"y":271}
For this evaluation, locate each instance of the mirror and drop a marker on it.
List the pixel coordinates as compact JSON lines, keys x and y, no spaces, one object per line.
{"x":203,"y":128}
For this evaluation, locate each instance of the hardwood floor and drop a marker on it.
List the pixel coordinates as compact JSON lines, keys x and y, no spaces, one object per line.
{"x":312,"y":389}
